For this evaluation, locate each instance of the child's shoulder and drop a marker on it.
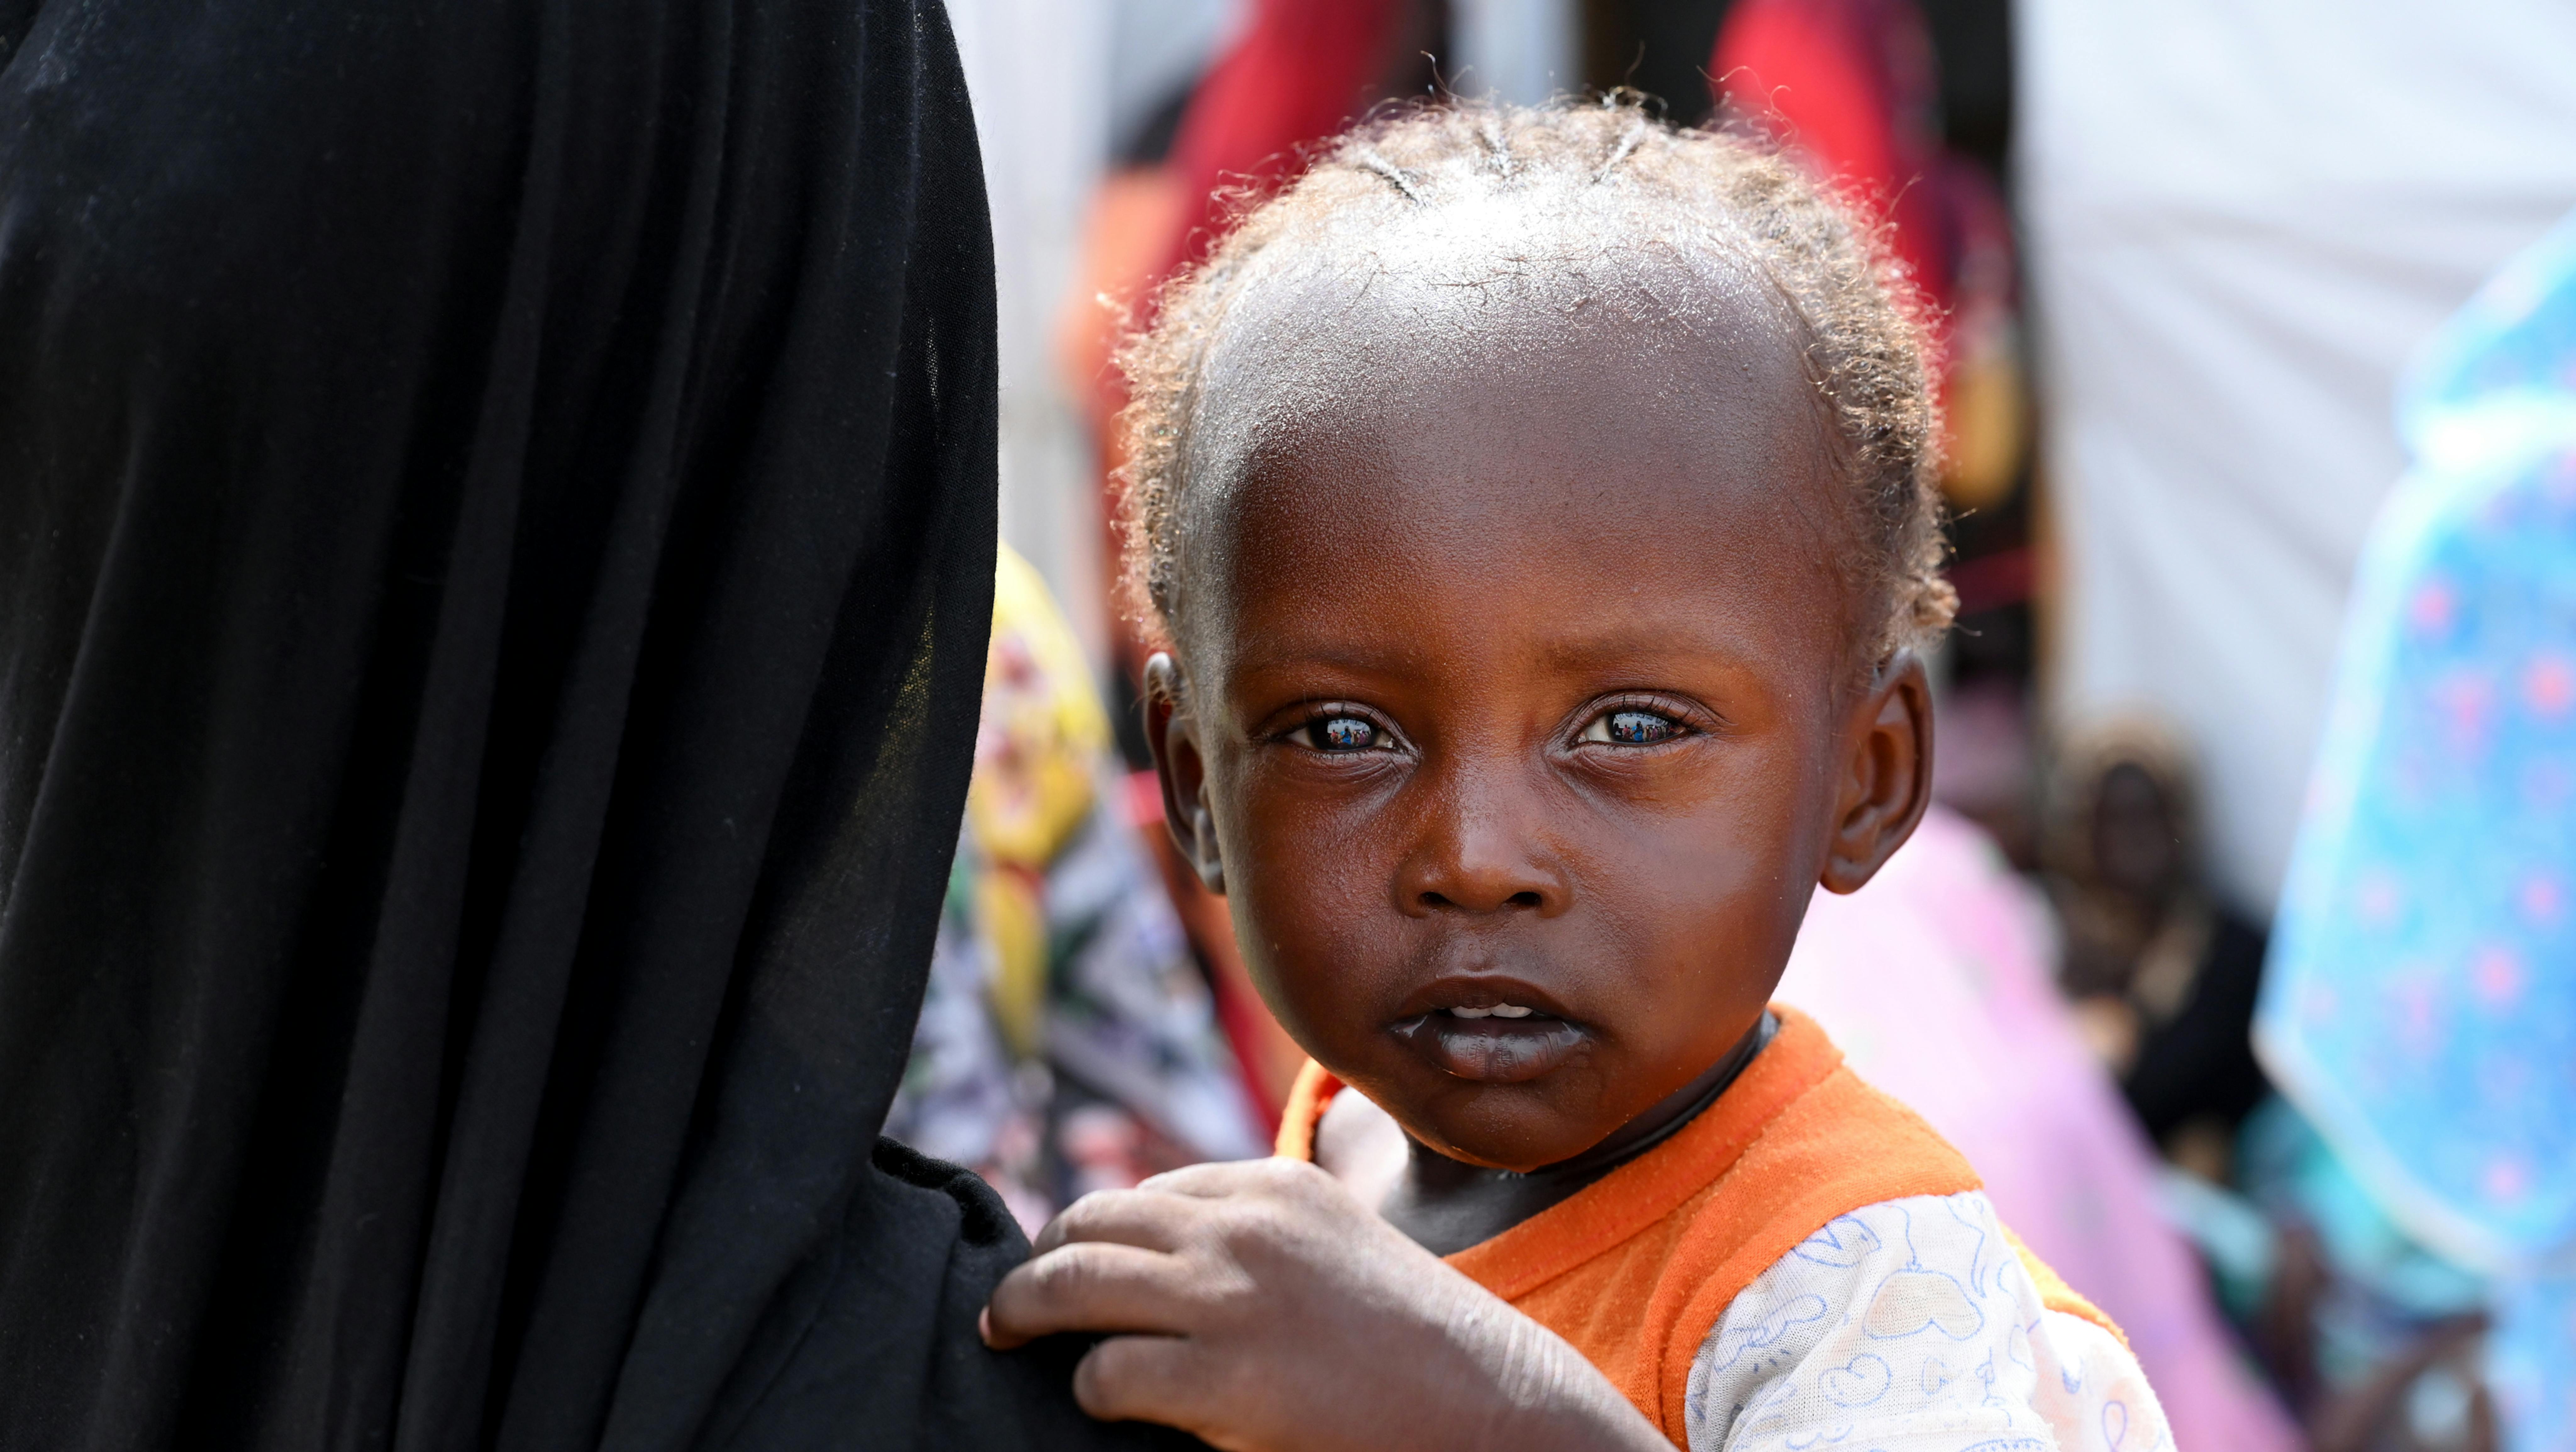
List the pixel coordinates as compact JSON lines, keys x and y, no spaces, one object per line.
{"x":1873,"y":1285}
{"x":1797,"y":1140}
{"x":1637,"y":1269}
{"x":1791,"y":1254}
{"x":1919,"y":1315}
{"x":1801,"y":1138}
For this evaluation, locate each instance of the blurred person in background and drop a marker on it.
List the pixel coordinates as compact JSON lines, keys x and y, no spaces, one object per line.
{"x":2422,"y":1008}
{"x":2162,"y":975}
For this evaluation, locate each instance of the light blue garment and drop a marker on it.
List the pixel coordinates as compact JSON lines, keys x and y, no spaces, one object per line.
{"x":2420,"y":1003}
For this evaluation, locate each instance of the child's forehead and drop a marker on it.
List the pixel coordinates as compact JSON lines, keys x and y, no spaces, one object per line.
{"x":1631,"y":390}
{"x":1441,"y":342}
{"x":1359,"y":457}
{"x":1521,"y":540}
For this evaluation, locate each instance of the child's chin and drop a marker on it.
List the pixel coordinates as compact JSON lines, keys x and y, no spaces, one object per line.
{"x":1508,"y":1127}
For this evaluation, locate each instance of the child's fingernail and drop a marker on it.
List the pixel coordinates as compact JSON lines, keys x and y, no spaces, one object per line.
{"x":984,"y":1324}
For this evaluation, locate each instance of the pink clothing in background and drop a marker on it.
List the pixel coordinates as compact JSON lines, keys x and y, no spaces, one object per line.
{"x":1935,"y":981}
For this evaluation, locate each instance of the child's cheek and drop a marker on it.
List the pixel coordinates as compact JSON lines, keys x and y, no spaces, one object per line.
{"x":1311,"y":896}
{"x":1312,"y":935}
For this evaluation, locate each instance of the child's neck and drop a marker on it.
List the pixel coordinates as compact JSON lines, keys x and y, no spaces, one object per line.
{"x":1446,"y":1205}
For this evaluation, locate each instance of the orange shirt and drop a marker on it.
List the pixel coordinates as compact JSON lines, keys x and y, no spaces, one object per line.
{"x":1635,"y":1268}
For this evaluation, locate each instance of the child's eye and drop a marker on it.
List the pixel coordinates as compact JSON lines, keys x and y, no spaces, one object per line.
{"x":1342,"y":733}
{"x":1632,"y":728}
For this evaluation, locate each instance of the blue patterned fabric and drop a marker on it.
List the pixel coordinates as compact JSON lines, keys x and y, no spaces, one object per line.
{"x":2420,"y":1003}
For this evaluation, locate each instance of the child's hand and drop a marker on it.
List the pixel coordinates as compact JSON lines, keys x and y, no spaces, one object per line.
{"x":1268,"y":1309}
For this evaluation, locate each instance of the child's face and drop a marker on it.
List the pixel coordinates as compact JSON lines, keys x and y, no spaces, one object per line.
{"x":1520,"y":678}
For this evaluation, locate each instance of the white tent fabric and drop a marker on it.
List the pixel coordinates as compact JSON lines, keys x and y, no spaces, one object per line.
{"x":1158,"y":49}
{"x":2241,"y":216}
{"x":1522,"y":51}
{"x":1038,"y":73}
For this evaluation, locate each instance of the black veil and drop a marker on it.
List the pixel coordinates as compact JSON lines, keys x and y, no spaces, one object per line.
{"x":496,"y":537}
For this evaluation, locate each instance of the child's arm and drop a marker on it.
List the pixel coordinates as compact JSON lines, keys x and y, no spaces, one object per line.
{"x":1265,"y":1308}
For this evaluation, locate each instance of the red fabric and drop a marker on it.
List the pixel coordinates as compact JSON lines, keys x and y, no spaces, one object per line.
{"x":1850,"y":85}
{"x":1302,"y":71}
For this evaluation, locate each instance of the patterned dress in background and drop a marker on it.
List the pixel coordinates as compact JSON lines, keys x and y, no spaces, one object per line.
{"x":1068,"y":1040}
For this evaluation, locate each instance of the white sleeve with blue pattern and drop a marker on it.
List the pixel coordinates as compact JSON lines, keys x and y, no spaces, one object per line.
{"x":1911,"y":1326}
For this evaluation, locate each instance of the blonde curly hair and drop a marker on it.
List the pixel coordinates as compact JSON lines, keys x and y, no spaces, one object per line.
{"x":1704,"y":194}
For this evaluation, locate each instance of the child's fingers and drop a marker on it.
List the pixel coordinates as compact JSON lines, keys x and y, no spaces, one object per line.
{"x":1147,"y":1379}
{"x":1128,"y":1217}
{"x":1090,"y":1285}
{"x":1219,"y":1179}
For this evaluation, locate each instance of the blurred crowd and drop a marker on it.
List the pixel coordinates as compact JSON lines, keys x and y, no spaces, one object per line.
{"x":2236,"y":953}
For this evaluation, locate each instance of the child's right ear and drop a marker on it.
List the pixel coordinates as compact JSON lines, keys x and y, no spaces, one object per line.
{"x":1174,"y":736}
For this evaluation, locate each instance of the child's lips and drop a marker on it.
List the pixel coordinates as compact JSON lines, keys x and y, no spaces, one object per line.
{"x":1493,"y":1050}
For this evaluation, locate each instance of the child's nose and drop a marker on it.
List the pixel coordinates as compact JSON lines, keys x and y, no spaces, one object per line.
{"x":1483,"y":860}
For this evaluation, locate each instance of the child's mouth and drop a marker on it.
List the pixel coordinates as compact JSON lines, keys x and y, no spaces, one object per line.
{"x":1503,"y":1043}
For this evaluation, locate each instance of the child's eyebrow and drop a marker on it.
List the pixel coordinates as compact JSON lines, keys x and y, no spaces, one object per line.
{"x":1273,"y":657}
{"x":1647,"y":644}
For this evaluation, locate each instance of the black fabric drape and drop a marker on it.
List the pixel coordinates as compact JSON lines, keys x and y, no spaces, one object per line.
{"x":496,"y":534}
